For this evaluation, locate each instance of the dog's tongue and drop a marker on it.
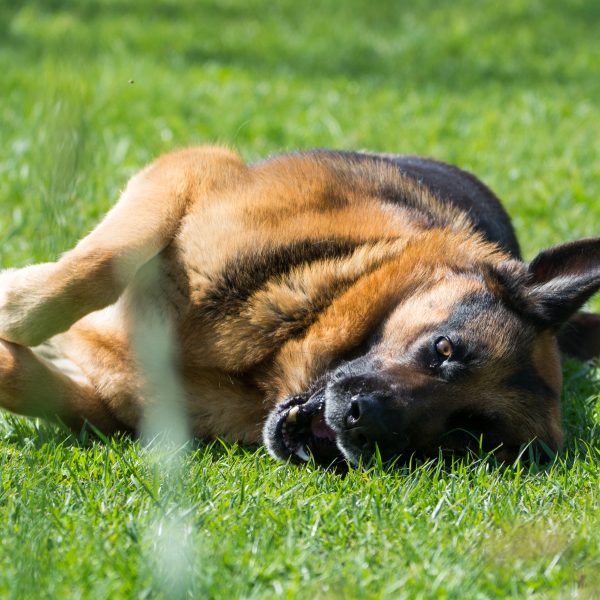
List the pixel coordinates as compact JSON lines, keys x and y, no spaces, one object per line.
{"x":320,"y":428}
{"x":315,"y":407}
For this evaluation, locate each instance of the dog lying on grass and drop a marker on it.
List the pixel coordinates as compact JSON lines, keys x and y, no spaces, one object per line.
{"x":327,"y":303}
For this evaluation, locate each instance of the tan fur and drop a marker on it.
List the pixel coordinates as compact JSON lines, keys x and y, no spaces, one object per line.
{"x":546,"y":360}
{"x":157,"y":254}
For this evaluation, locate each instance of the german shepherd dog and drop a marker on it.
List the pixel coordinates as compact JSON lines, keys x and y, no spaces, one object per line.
{"x":327,"y":303}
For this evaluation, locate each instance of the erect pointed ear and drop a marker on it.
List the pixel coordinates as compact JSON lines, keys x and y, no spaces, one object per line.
{"x":561,"y":279}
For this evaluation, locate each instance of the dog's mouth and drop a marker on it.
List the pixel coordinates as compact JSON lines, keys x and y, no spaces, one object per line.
{"x":297,"y":429}
{"x":305,"y":426}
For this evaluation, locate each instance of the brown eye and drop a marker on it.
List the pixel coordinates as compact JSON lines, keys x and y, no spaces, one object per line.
{"x":444,"y":347}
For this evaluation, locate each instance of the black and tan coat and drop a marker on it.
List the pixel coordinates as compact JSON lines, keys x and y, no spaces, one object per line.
{"x":324,"y":302}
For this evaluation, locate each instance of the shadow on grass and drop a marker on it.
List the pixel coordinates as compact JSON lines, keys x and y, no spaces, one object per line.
{"x":453,"y":46}
{"x":581,"y":408}
{"x":22,"y":432}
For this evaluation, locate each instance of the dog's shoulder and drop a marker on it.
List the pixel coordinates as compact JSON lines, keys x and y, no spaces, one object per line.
{"x":440,"y":191}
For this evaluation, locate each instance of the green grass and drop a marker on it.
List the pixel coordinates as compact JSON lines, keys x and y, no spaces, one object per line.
{"x":508,"y":90}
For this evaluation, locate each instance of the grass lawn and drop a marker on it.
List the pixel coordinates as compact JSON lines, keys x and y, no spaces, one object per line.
{"x":91,"y":90}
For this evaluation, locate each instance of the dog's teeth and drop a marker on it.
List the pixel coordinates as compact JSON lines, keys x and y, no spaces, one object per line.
{"x":301,"y":453}
{"x":293,"y":414}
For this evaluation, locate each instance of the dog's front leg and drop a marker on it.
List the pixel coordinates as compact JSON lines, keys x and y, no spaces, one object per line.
{"x":40,"y":301}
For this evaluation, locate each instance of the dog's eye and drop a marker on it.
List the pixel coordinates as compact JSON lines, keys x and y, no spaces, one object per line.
{"x":444,"y":348}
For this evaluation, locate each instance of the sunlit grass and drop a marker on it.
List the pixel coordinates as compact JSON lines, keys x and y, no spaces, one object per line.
{"x":90,"y":91}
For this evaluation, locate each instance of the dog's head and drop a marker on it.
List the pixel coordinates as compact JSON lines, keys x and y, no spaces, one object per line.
{"x":468,"y":360}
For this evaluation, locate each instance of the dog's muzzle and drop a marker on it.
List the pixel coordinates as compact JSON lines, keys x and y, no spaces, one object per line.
{"x":363,"y":422}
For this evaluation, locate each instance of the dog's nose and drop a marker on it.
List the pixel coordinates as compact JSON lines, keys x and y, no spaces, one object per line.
{"x":365,"y":420}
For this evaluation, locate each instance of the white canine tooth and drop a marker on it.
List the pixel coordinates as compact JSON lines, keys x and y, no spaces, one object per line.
{"x":293,"y":414}
{"x":301,"y":453}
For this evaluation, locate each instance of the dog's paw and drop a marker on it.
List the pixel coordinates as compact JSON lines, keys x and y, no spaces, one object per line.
{"x":24,"y":303}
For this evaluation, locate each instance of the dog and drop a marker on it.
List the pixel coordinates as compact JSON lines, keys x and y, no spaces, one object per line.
{"x":333,"y":304}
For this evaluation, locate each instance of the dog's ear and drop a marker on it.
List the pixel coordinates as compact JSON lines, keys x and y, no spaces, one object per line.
{"x":579,"y":337}
{"x":561,"y":279}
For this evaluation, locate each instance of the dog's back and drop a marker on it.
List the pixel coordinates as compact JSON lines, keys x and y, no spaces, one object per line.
{"x":451,"y":184}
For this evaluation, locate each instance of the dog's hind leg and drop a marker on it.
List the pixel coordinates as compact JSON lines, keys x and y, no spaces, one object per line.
{"x":32,"y":386}
{"x":42,"y":300}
